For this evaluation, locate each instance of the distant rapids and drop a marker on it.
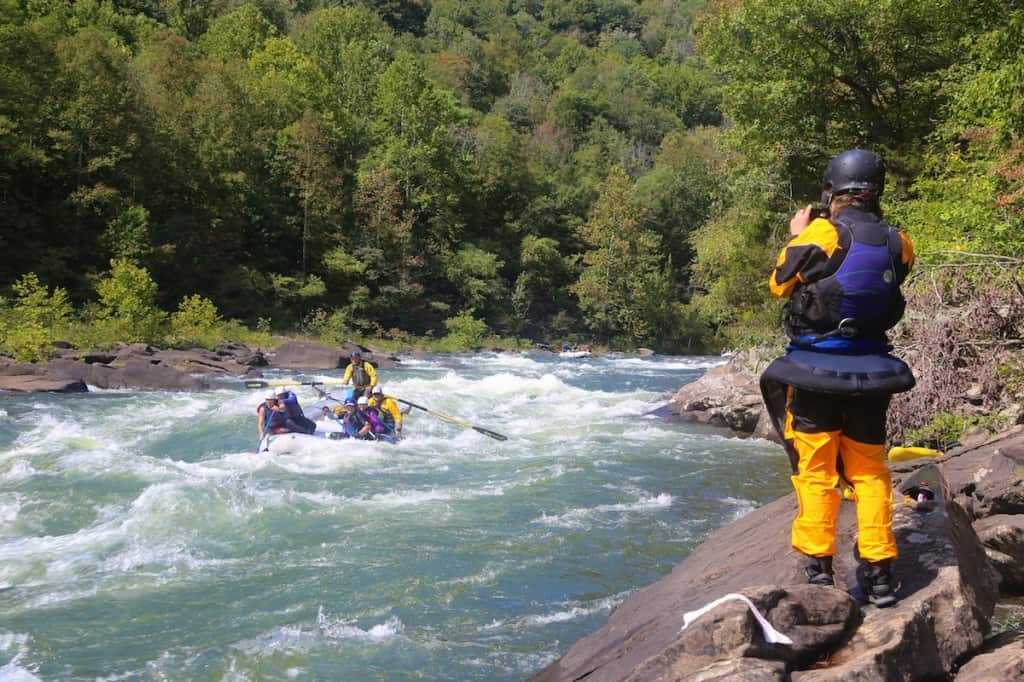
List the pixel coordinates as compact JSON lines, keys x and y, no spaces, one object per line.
{"x":141,"y":537}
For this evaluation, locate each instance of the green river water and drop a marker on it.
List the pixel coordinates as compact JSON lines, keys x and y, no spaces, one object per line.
{"x":142,"y":538}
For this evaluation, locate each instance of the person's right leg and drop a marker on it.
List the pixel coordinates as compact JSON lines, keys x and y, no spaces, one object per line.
{"x":862,"y":450}
{"x":812,"y":428}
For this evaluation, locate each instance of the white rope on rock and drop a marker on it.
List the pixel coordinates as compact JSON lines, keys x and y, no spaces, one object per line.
{"x":771,"y":635}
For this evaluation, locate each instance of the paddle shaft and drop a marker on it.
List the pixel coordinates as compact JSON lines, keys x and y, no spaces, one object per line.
{"x":455,"y":420}
{"x":254,"y":383}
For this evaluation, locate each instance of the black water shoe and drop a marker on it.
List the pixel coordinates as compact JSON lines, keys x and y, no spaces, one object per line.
{"x":879,"y":583}
{"x":819,"y":571}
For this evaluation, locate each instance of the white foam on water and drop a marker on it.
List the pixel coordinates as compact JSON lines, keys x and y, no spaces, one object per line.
{"x":12,"y":671}
{"x":284,"y":638}
{"x":575,"y":610}
{"x":582,"y":517}
{"x":19,"y":470}
{"x":57,"y":596}
{"x":10,"y":505}
{"x":409,"y":497}
{"x":743,"y":507}
{"x":696,"y":363}
{"x":342,"y":629}
{"x":330,"y":457}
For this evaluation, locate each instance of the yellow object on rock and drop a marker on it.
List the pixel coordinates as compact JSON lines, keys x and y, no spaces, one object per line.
{"x":904,"y":454}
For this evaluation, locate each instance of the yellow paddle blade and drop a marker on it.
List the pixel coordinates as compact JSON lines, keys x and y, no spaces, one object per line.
{"x":905,"y":454}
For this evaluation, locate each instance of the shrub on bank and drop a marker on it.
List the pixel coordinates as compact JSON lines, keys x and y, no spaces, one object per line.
{"x":33,"y":319}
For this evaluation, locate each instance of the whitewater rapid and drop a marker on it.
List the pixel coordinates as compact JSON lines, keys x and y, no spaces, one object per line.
{"x":142,"y":537}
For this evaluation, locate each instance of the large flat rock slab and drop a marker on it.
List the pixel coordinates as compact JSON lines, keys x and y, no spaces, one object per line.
{"x":947,"y":597}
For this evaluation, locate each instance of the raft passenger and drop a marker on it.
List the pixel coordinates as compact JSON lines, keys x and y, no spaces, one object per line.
{"x":390,"y":414}
{"x":270,"y":409}
{"x":355,"y":422}
{"x":295,"y":420}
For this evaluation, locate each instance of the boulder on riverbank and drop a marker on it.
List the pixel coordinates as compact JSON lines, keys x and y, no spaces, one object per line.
{"x":305,"y":355}
{"x":947,"y":597}
{"x":727,"y":396}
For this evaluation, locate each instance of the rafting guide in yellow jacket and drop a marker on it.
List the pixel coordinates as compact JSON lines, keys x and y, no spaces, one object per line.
{"x":828,"y":396}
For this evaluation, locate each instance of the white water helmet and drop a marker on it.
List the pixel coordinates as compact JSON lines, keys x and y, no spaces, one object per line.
{"x":362,"y":400}
{"x":271,"y":395}
{"x":378,"y":389}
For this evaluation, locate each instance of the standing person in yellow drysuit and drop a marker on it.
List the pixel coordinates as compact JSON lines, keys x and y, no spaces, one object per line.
{"x":829,"y":395}
{"x":361,"y":373}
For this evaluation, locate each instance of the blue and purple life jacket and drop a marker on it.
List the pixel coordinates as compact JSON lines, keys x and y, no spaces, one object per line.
{"x":860,"y":299}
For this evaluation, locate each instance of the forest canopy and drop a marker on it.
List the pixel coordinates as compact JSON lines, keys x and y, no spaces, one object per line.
{"x":609,"y":170}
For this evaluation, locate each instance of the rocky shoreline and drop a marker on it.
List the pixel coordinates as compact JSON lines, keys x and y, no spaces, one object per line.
{"x":959,"y":556}
{"x":139,"y":366}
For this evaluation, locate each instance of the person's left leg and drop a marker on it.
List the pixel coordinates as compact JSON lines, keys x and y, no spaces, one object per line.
{"x":862,"y":451}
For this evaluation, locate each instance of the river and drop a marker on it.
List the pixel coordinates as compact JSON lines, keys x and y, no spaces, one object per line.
{"x":141,"y":537}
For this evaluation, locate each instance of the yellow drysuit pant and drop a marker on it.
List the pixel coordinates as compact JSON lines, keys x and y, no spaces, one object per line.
{"x":833,"y":434}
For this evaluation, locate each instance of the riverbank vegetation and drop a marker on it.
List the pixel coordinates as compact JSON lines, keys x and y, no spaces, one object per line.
{"x":599,"y":170}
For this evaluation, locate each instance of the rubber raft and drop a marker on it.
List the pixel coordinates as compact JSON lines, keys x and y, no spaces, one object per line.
{"x":327,"y":431}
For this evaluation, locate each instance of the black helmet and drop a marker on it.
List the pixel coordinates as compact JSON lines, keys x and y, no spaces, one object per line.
{"x":854,"y":170}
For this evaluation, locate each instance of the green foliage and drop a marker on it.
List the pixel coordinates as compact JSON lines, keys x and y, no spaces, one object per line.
{"x":620,"y":266}
{"x":127,"y":234}
{"x":540,"y":289}
{"x":330,"y":327}
{"x":33,"y":320}
{"x":465,"y":332}
{"x":398,"y":160}
{"x":237,"y":35}
{"x":810,"y":71}
{"x":474,"y":274}
{"x":945,"y":428}
{"x":196,"y":323}
{"x":127,"y":304}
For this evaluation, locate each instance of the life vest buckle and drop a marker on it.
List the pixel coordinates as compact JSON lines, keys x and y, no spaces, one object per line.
{"x":847,"y":328}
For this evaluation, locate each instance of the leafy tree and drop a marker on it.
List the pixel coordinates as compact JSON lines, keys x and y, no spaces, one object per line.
{"x":35,"y":319}
{"x":309,"y":154}
{"x":238,"y":35}
{"x":404,"y":16}
{"x":386,"y":254}
{"x":540,"y":289}
{"x":414,"y":122}
{"x":474,"y":273}
{"x":465,"y":332}
{"x":621,"y":258}
{"x":824,"y":75}
{"x":196,"y":322}
{"x":352,"y":47}
{"x":677,"y":195}
{"x":127,"y":304}
{"x":127,"y":234}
